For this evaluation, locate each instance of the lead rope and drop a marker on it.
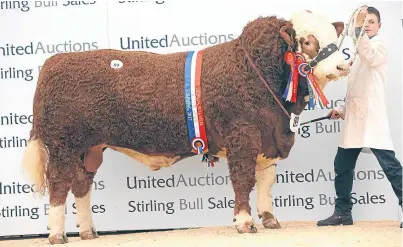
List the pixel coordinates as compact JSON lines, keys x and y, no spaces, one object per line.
{"x":358,"y":39}
{"x":359,"y":36}
{"x":265,"y":83}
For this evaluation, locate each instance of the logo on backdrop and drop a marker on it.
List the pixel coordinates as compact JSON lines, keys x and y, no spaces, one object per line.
{"x":34,"y":48}
{"x":140,"y":183}
{"x":34,"y":212}
{"x":25,"y":6}
{"x":166,"y":41}
{"x":212,"y":202}
{"x":176,"y":180}
{"x":12,"y":73}
{"x":321,"y":199}
{"x":14,"y":119}
{"x":310,"y":202}
{"x":321,"y":175}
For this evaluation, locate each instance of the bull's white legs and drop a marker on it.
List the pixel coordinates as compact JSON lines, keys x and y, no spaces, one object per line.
{"x":244,"y":220}
{"x":265,"y":179}
{"x":84,"y":217}
{"x":56,"y":224}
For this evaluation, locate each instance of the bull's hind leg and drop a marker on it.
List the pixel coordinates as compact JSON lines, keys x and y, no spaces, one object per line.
{"x":243,"y":148}
{"x":82,"y":188}
{"x":265,"y":179}
{"x":59,"y":174}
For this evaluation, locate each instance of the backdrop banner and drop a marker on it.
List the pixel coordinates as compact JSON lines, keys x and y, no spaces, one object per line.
{"x":127,"y":195}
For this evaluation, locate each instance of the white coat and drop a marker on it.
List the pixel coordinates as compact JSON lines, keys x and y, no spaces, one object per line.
{"x":365,"y":113}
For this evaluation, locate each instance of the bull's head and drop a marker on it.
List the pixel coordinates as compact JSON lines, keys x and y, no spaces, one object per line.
{"x":317,"y":41}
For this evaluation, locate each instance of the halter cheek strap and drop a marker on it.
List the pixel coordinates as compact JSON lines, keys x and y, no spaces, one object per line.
{"x":323,"y":54}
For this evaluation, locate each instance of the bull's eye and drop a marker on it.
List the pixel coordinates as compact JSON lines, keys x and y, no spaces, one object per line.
{"x":307,"y":43}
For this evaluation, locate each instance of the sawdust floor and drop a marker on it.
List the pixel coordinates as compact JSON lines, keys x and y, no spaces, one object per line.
{"x":368,"y":234}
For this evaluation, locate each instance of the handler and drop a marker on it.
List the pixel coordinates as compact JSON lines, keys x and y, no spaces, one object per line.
{"x":366,"y":119}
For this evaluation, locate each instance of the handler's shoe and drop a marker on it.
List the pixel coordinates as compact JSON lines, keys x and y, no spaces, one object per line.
{"x":336,"y":220}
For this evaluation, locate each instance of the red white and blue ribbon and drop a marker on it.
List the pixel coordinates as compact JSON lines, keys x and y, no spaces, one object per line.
{"x":314,"y":91}
{"x":193,"y":102}
{"x":297,"y":63}
{"x":290,"y":93}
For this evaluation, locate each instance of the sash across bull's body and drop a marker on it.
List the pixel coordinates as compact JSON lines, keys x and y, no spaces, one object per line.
{"x":194,"y":106}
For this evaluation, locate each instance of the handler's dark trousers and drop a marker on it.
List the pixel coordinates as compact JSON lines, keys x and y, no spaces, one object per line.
{"x":344,"y":166}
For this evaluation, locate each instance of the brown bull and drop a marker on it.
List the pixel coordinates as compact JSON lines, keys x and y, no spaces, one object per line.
{"x":82,"y":105}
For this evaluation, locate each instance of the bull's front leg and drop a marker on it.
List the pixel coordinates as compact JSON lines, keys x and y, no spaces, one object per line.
{"x":265,"y":179}
{"x":243,"y":145}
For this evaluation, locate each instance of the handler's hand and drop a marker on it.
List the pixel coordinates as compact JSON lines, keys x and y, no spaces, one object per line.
{"x":334,"y":114}
{"x":361,"y":17}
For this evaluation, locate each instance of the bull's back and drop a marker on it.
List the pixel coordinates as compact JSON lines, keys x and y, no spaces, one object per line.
{"x":150,"y":93}
{"x":135,"y":105}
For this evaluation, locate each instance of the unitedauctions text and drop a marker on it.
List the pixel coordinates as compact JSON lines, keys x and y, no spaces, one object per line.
{"x":287,"y":177}
{"x":33,"y":48}
{"x":176,"y":181}
{"x":166,"y":41}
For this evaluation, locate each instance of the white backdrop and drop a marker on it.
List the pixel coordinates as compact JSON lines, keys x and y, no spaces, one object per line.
{"x":31,"y":33}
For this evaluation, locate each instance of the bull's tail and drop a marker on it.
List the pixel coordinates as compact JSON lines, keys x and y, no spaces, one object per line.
{"x":34,"y":164}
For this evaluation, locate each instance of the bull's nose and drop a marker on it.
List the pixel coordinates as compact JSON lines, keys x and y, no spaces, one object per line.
{"x":342,"y":67}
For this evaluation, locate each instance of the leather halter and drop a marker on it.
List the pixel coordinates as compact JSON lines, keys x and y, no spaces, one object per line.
{"x":323,"y":54}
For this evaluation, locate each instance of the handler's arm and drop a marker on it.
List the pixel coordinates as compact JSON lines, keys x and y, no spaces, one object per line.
{"x":373,"y":53}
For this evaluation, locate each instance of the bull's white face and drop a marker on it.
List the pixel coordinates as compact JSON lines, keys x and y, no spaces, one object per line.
{"x":314,"y":32}
{"x":331,"y":68}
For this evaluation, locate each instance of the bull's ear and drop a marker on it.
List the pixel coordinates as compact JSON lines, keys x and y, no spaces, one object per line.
{"x":287,"y":32}
{"x":339,"y":26}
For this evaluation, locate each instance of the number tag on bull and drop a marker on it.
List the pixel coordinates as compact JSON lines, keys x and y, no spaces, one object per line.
{"x":116,"y":64}
{"x":294,"y":122}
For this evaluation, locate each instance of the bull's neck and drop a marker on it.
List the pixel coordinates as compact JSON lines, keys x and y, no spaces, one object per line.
{"x":272,"y":68}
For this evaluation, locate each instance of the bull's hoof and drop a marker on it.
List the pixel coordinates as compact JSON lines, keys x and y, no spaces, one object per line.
{"x":58,"y":239}
{"x":243,"y":222}
{"x":269,"y":221}
{"x":272,"y":225}
{"x":247,"y":227}
{"x":89,"y":235}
